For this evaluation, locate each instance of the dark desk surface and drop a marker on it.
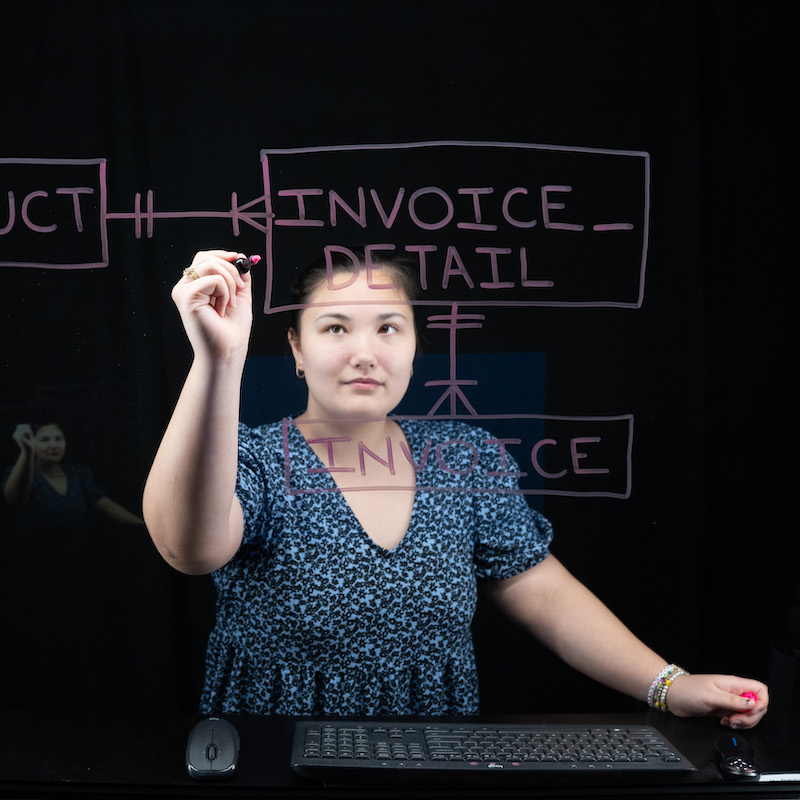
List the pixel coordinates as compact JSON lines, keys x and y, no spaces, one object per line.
{"x":141,"y":755}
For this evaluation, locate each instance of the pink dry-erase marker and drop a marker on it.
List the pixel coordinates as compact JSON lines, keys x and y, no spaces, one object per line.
{"x":244,"y":264}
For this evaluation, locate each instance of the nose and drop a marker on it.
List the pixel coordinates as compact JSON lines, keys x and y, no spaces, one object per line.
{"x":363,"y":353}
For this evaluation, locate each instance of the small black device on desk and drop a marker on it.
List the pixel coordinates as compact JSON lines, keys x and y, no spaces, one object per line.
{"x":212,"y":750}
{"x":736,"y":757}
{"x":387,"y":751}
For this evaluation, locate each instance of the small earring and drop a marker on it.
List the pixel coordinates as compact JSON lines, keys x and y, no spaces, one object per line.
{"x":299,"y":372}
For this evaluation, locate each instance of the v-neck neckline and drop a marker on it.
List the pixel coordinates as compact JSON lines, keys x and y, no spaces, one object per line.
{"x":52,"y":486}
{"x":324,"y":476}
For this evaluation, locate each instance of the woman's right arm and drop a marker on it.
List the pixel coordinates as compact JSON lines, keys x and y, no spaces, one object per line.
{"x":189,"y":504}
{"x":17,"y":488}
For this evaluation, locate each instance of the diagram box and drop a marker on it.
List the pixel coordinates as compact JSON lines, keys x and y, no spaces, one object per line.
{"x":484,"y":224}
{"x":54,"y":213}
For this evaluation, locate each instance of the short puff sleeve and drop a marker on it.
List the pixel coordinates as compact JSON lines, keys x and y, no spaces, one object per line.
{"x":255,"y":462}
{"x":510,"y":535}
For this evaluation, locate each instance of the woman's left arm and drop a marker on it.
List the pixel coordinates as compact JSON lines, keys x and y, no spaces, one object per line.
{"x":117,"y":513}
{"x":563,"y":614}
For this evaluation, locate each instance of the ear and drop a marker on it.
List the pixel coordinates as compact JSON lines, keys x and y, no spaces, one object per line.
{"x":294,"y":342}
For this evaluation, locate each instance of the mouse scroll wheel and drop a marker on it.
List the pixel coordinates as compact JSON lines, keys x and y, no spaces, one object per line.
{"x":212,"y":752}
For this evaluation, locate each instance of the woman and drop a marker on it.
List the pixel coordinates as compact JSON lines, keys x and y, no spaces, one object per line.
{"x":347,"y":550}
{"x":45,"y":491}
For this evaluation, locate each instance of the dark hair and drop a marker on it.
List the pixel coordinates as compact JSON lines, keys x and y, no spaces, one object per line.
{"x":348,"y":260}
{"x":50,"y":423}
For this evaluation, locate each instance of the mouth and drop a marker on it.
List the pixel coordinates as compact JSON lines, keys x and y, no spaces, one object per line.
{"x":363,"y":383}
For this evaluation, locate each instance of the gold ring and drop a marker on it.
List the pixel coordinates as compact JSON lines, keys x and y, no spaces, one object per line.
{"x":189,"y":272}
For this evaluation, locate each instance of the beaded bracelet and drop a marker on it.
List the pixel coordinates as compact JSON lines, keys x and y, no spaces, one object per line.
{"x":657,"y":696}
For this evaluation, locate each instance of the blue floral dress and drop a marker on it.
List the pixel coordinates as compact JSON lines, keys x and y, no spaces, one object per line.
{"x":315,"y":618}
{"x":46,"y":508}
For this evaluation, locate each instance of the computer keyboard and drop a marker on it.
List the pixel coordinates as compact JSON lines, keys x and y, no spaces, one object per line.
{"x":374,"y":749}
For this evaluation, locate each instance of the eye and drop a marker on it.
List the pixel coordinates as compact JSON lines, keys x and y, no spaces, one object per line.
{"x":387,"y":328}
{"x":335,"y":328}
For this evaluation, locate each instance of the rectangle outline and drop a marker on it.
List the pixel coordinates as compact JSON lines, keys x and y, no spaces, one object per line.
{"x":474,"y":418}
{"x":101,"y":163}
{"x":270,"y":215}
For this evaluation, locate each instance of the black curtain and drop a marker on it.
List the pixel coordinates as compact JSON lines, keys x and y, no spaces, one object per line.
{"x":178,"y":99}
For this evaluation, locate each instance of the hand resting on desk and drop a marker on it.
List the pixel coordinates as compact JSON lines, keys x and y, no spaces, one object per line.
{"x":719,"y":696}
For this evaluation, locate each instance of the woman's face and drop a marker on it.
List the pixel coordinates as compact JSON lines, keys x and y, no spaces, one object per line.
{"x":357,"y":350}
{"x":50,"y":444}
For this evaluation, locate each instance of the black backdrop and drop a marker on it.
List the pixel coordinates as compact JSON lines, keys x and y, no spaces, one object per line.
{"x":180,"y":99}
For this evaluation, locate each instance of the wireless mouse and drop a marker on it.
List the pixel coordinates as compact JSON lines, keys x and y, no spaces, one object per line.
{"x":212,"y":751}
{"x":736,"y":757}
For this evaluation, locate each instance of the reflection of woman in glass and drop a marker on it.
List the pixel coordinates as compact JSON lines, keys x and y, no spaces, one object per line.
{"x":45,"y":491}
